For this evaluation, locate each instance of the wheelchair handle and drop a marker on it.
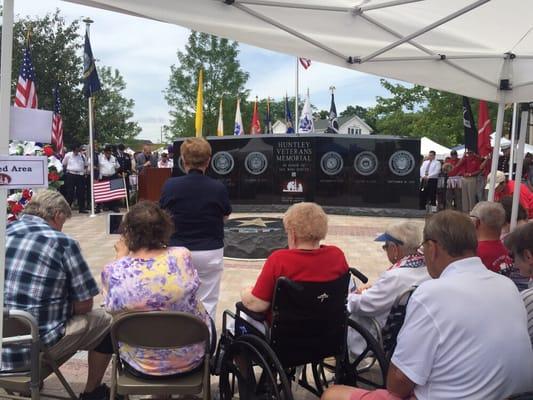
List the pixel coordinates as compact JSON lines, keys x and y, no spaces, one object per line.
{"x":358,"y":274}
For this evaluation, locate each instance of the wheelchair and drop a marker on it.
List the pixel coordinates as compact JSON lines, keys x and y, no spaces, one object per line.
{"x":303,"y":339}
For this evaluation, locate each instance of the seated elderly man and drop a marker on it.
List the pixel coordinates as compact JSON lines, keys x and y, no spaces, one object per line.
{"x":505,"y":187}
{"x":306,"y":259}
{"x":47,"y":276}
{"x":489,"y":219}
{"x":452,"y":344}
{"x":520,"y":244}
{"x":408,"y":268}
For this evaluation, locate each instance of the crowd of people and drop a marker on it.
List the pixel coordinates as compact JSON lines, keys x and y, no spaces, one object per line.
{"x":465,"y":335}
{"x":460,"y":183}
{"x":110,"y":162}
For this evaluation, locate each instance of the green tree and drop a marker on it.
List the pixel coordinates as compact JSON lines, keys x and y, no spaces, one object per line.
{"x":56,"y":53}
{"x":113,"y":110}
{"x":419,"y":111}
{"x":322,"y":114}
{"x":362,"y":113}
{"x":223,"y":77}
{"x":56,"y":49}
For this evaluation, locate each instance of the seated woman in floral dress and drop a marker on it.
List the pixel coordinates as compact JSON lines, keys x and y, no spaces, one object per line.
{"x":147,"y":275}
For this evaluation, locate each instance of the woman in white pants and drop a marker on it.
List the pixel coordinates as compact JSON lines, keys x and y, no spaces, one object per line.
{"x":199,"y":205}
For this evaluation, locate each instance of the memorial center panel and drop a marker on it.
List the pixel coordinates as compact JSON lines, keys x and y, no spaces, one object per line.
{"x":332,"y":170}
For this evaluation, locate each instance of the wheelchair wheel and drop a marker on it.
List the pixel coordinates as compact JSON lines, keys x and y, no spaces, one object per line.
{"x":369,"y":369}
{"x":251,"y":371}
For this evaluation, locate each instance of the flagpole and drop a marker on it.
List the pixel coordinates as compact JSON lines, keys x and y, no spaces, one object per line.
{"x":296,"y":122}
{"x":127,"y":200}
{"x":513,"y":135}
{"x":88,"y":21}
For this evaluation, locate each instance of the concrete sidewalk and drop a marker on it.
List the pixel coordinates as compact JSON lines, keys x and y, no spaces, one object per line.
{"x":354,"y":235}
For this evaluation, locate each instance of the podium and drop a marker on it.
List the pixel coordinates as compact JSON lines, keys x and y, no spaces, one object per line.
{"x":151,"y":181}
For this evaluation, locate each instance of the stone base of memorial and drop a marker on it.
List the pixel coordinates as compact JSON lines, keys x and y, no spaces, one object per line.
{"x":253,"y":238}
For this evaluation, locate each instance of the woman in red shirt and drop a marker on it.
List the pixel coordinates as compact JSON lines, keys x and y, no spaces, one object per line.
{"x":306,"y":225}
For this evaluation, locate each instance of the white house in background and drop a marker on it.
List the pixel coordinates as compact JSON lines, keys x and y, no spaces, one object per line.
{"x":349,"y":125}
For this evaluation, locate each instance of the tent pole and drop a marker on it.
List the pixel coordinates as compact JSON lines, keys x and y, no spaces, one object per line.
{"x":519,"y":162}
{"x":5,"y":100}
{"x":513,"y":130}
{"x":496,"y":149}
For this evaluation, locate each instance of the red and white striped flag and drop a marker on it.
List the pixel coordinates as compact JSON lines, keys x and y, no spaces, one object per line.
{"x":306,"y":62}
{"x":57,"y":124}
{"x":26,"y":95}
{"x":109,"y":190}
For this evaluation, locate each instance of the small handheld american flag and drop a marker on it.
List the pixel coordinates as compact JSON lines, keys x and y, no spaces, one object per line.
{"x":26,"y":95}
{"x":109,"y":190}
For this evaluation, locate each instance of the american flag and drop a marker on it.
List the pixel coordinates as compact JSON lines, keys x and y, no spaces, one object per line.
{"x":57,"y":124}
{"x":26,"y":95}
{"x":306,"y":62}
{"x":109,"y":190}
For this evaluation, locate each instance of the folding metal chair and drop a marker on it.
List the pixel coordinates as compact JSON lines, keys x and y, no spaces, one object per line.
{"x":21,"y":328}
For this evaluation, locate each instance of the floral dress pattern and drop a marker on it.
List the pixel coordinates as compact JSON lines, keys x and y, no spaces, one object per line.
{"x":166,"y":282}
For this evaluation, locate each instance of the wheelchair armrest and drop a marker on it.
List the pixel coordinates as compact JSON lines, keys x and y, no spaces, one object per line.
{"x":358,"y":274}
{"x":257,"y":316}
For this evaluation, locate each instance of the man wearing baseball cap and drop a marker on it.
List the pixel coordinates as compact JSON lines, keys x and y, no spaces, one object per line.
{"x":505,"y":187}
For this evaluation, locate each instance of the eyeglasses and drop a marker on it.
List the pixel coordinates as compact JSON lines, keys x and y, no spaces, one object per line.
{"x":421,"y":247}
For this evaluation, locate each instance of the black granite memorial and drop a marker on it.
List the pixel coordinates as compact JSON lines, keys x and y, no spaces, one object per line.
{"x":332,"y":170}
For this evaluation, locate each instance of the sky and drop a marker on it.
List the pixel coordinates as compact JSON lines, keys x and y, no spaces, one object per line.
{"x":143,"y":51}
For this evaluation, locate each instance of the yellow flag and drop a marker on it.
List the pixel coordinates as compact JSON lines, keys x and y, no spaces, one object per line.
{"x":220,"y":127}
{"x":199,"y":121}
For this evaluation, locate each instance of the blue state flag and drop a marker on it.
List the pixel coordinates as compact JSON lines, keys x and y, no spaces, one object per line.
{"x":288,"y":116}
{"x":91,"y":82}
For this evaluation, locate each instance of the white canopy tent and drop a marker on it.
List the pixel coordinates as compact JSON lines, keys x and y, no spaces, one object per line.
{"x":478,"y":48}
{"x":427,"y":145}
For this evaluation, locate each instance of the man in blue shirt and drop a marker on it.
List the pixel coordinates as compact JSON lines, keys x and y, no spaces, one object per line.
{"x":199,"y":205}
{"x":47,"y":276}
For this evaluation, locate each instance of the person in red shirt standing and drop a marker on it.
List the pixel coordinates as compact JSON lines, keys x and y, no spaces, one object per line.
{"x":489,"y":218}
{"x":306,"y":259}
{"x":505,"y":187}
{"x":453,"y":183}
{"x":469,"y":168}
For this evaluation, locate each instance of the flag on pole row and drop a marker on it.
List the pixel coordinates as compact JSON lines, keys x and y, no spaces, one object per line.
{"x":238,"y":130}
{"x":26,"y":94}
{"x":470,"y":130}
{"x":109,"y":190}
{"x":91,"y":83}
{"x":484,"y":130}
{"x":199,"y":120}
{"x":333,"y":126}
{"x":256,"y":124}
{"x":306,"y":120}
{"x":220,"y":126}
{"x":306,"y":62}
{"x":57,"y":124}
{"x":288,"y":116}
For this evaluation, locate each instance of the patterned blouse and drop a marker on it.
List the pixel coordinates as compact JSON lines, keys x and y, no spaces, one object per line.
{"x":166,"y":282}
